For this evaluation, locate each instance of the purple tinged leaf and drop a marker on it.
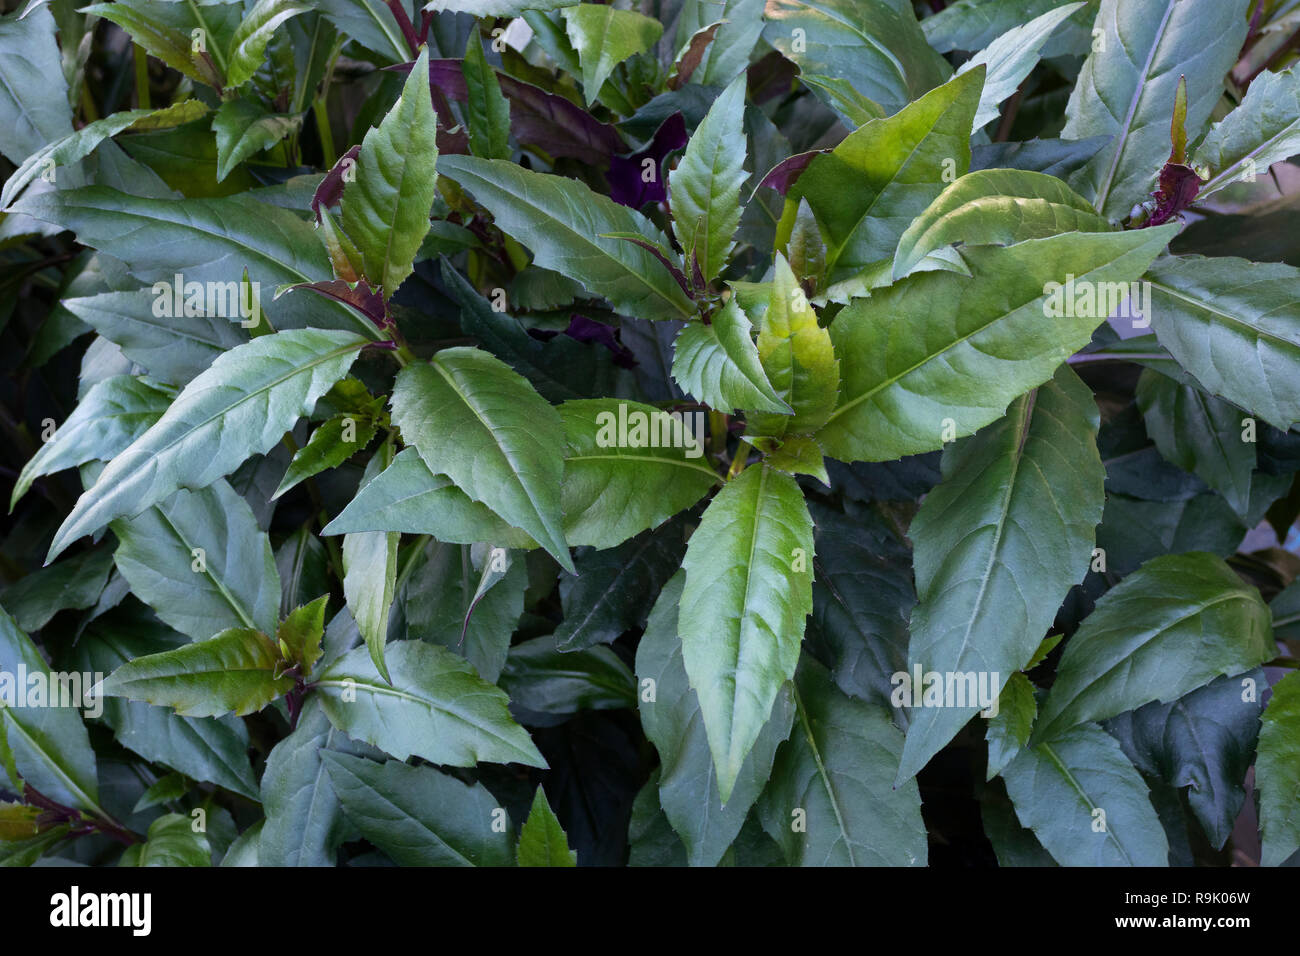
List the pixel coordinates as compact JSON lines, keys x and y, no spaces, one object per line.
{"x":656,"y":250}
{"x":360,"y":296}
{"x":784,"y":174}
{"x":330,"y":190}
{"x":627,"y":185}
{"x":583,"y":329}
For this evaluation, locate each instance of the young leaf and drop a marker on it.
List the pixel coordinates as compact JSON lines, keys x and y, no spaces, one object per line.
{"x":1025,"y":492}
{"x":417,"y":815}
{"x":481,"y":424}
{"x":748,"y":593}
{"x":719,"y":364}
{"x":838,"y":769}
{"x":238,"y":671}
{"x":334,"y":441}
{"x":1264,"y":129}
{"x":244,"y":129}
{"x":704,"y":189}
{"x":299,"y":635}
{"x":542,"y":841}
{"x":938,"y":346}
{"x":1277,"y":773}
{"x":1008,"y":731}
{"x":167,"y":42}
{"x":488,"y":110}
{"x":1133,"y":650}
{"x":565,"y":224}
{"x":1127,"y":85}
{"x":604,"y":37}
{"x":171,"y":841}
{"x":435,"y":707}
{"x":241,"y":406}
{"x":248,"y":45}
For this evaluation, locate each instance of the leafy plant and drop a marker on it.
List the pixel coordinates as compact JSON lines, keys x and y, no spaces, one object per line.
{"x":681,"y":432}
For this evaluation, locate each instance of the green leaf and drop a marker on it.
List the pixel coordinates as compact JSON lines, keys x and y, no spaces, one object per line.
{"x":211,"y":749}
{"x":385,"y":211}
{"x":1264,"y":129}
{"x":161,"y":39}
{"x":237,"y":671}
{"x":1204,"y":742}
{"x":614,"y":490}
{"x":171,"y":348}
{"x":542,"y":841}
{"x":495,"y":8}
{"x":540,"y":678}
{"x":477,"y":421}
{"x":896,"y":167}
{"x":73,"y":583}
{"x":995,"y":206}
{"x":199,"y":559}
{"x":1175,"y":624}
{"x":408,"y":497}
{"x":71,"y":149}
{"x":747,"y":596}
{"x":304,"y":821}
{"x":444,"y":602}
{"x":704,"y":189}
{"x":333,"y":442}
{"x":248,"y":46}
{"x":1277,"y":773}
{"x":171,"y":841}
{"x":487,"y":110}
{"x":1008,"y":730}
{"x":299,"y":635}
{"x":1059,"y":786}
{"x":417,"y":815}
{"x":1127,"y":86}
{"x":719,"y":364}
{"x":565,"y":224}
{"x":370,"y":574}
{"x":34,"y":97}
{"x":436,"y":707}
{"x":938,"y":346}
{"x":837,"y":93}
{"x":974,"y":24}
{"x":111,"y":415}
{"x":204,"y":240}
{"x":835,"y":776}
{"x":1012,"y":57}
{"x":997,"y":545}
{"x":47,"y":745}
{"x":166,"y":789}
{"x":1200,"y":434}
{"x":687,"y":783}
{"x":240,"y":406}
{"x":1233,"y":325}
{"x":741,"y":23}
{"x":604,"y":37}
{"x":798,"y":358}
{"x":244,"y":129}
{"x":876,"y":45}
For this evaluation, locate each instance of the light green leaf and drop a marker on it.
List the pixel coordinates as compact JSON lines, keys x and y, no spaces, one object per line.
{"x":1235,"y":326}
{"x":171,"y":841}
{"x":1200,"y":434}
{"x":237,"y":671}
{"x":741,"y":24}
{"x":896,"y":166}
{"x":1059,"y":786}
{"x":995,"y":206}
{"x":1175,"y":624}
{"x":852,"y":107}
{"x":1127,"y":85}
{"x":163,"y":40}
{"x":199,"y":559}
{"x":1012,"y":57}
{"x":747,"y":596}
{"x":604,"y":37}
{"x":565,"y":224}
{"x":113,"y":413}
{"x":704,"y":189}
{"x":334,"y":441}
{"x":997,"y":545}
{"x":436,"y":707}
{"x":47,"y":745}
{"x":1264,"y":129}
{"x":370,"y":574}
{"x":542,"y":841}
{"x":417,"y":815}
{"x":248,"y":46}
{"x":479,"y":422}
{"x":974,"y":24}
{"x":408,"y":497}
{"x":299,"y":635}
{"x":876,"y":45}
{"x":719,"y":365}
{"x":487,"y":110}
{"x":938,"y":346}
{"x":240,"y":407}
{"x":838,"y":768}
{"x":385,"y":211}
{"x":688,"y":783}
{"x":1277,"y":773}
{"x":244,"y":129}
{"x":614,"y":489}
{"x":1008,"y":730}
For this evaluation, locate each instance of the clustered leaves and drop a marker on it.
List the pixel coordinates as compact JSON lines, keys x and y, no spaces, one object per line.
{"x":541,"y":432}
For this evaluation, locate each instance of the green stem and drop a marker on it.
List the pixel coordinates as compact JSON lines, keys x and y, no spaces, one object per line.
{"x":142,"y":78}
{"x":319,"y":110}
